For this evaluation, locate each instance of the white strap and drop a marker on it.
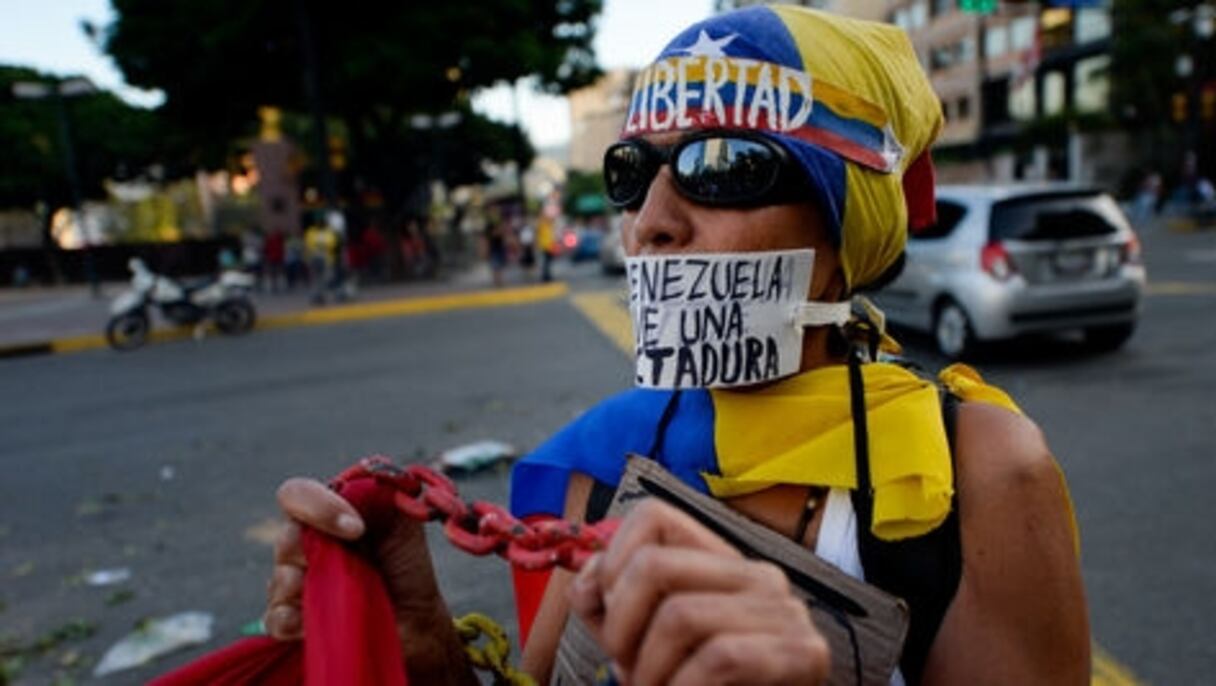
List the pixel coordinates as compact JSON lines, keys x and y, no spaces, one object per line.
{"x":823,"y":314}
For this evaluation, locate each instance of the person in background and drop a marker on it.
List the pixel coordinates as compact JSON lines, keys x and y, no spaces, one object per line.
{"x":273,"y":258}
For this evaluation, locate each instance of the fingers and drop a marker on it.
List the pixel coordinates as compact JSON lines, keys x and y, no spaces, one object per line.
{"x":656,"y":574}
{"x":654,"y":522}
{"x":683,"y":622}
{"x":310,"y":502}
{"x":756,"y":659}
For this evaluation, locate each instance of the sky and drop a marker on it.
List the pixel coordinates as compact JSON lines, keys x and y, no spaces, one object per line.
{"x":45,"y":34}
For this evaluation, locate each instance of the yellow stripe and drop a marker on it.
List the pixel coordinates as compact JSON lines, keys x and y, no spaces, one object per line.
{"x":605,"y":311}
{"x":411,"y":306}
{"x":1182,"y":288}
{"x":1108,"y":672}
{"x":348,"y":313}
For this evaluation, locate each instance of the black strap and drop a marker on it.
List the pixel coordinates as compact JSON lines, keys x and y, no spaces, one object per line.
{"x":660,"y":432}
{"x":924,"y":571}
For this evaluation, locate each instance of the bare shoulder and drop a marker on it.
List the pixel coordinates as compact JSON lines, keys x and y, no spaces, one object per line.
{"x":1003,"y":450}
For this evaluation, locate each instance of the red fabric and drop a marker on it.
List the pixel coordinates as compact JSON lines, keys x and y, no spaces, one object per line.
{"x":919,"y":195}
{"x":351,"y":633}
{"x":529,"y":590}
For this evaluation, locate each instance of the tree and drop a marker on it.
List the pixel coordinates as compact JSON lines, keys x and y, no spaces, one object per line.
{"x":374,"y":67}
{"x":111,"y":139}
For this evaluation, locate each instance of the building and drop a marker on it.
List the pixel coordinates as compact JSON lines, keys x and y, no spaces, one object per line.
{"x":597,"y":115}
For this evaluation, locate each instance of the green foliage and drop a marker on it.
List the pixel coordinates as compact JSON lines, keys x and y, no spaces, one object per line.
{"x":581,"y":184}
{"x":1144,"y":52}
{"x":376,"y":65}
{"x":111,"y":139}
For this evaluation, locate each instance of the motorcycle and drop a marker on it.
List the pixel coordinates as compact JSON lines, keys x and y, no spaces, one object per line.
{"x":225,"y":301}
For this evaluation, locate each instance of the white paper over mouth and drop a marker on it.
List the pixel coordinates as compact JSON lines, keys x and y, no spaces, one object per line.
{"x":717,"y":320}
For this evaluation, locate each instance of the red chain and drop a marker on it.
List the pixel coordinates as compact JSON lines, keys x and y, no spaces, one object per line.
{"x":481,"y":527}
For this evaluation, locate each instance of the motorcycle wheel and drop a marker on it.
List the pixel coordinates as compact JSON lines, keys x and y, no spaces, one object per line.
{"x":128,"y":331}
{"x":235,"y":316}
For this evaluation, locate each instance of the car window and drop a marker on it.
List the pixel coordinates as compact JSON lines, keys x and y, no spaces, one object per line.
{"x":1057,"y":216}
{"x":949,"y":214}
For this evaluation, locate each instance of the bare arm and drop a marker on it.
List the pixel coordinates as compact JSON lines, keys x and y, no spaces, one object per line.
{"x":1019,"y":616}
{"x":539,"y":653}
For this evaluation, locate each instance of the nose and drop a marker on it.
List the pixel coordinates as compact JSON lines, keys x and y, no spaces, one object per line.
{"x":663,"y":221}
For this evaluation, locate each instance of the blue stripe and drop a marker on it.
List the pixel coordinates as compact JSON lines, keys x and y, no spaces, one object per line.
{"x":761,"y":35}
{"x":597,"y":442}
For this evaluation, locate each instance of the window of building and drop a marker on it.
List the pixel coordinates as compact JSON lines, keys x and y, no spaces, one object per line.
{"x":1021,"y":33}
{"x":1021,"y":99}
{"x":1092,"y":23}
{"x":1053,"y":93}
{"x":964,"y":107}
{"x":1091,"y":80}
{"x":996,"y":41}
{"x":918,"y":14}
{"x":900,"y":18}
{"x":966,"y":50}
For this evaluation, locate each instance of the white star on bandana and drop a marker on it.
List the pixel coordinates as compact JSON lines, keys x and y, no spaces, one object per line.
{"x":708,"y":47}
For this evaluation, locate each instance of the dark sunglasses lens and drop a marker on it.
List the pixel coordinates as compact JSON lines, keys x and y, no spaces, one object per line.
{"x":726,"y":170}
{"x":626,"y":173}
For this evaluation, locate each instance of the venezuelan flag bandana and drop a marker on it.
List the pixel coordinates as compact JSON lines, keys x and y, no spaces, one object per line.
{"x":846,"y":98}
{"x":796,"y":431}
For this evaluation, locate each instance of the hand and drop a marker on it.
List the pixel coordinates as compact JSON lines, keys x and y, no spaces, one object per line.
{"x":400,"y":551}
{"x":671,"y":602}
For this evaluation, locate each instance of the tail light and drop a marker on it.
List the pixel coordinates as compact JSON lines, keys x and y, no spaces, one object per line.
{"x":995,"y":260}
{"x":1129,"y":252}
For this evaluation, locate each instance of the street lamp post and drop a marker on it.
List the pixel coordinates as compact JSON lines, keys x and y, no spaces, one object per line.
{"x":57,"y":92}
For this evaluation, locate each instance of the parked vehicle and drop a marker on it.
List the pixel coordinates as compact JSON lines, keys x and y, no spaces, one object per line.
{"x":224,"y":301}
{"x":1009,"y":260}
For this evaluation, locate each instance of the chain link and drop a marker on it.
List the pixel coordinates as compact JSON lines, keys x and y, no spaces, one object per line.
{"x":493,"y":656}
{"x":482,"y":528}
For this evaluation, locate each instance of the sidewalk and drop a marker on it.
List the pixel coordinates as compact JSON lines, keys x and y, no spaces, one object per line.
{"x":56,"y":319}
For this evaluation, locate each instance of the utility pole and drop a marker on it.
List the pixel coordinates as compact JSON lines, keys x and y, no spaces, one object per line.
{"x":56,"y":92}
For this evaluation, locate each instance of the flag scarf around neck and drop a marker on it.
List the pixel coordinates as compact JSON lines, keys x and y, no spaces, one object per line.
{"x":796,"y":431}
{"x":847,"y":98}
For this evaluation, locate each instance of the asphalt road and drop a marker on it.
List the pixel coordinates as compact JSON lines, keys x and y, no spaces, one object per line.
{"x":165,"y":461}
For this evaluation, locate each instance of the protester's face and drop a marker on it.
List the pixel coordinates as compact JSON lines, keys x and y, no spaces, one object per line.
{"x":668,"y":223}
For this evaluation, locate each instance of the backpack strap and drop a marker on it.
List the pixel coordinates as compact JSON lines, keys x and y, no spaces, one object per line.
{"x":924,"y":571}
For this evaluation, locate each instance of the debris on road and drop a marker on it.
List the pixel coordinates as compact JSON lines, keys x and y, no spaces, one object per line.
{"x":265,"y":532}
{"x":474,"y":457}
{"x":167,"y":473}
{"x":119,"y":597}
{"x":155,"y":638}
{"x":108,"y":577}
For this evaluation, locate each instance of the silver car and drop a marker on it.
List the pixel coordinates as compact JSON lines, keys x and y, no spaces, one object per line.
{"x":1003,"y":261}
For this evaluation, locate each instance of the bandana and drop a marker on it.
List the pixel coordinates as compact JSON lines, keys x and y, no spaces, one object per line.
{"x":846,"y":98}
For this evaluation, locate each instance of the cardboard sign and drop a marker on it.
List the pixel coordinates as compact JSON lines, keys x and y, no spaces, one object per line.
{"x":717,"y":321}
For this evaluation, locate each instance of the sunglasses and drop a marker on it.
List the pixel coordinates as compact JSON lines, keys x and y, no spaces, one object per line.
{"x":718,"y":169}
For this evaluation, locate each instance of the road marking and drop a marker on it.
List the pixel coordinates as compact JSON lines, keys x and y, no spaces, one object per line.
{"x":399,"y":307}
{"x":604,"y":309}
{"x":1182,"y":288}
{"x":410,"y":306}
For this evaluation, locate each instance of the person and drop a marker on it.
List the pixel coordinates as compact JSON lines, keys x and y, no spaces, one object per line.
{"x":496,"y":247}
{"x":273,"y":257}
{"x":966,"y":505}
{"x":321,"y":245}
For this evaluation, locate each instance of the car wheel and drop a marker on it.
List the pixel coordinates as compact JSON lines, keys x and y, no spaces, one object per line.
{"x":128,"y":331}
{"x":952,"y":330}
{"x":234,"y":316}
{"x":1108,"y":338}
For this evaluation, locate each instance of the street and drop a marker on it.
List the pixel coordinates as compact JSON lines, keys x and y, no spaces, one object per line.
{"x":165,"y":460}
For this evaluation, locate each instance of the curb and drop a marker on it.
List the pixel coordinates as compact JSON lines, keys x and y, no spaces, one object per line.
{"x":354,"y":312}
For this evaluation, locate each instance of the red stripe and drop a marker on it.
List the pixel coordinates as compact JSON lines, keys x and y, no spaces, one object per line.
{"x":707,"y":119}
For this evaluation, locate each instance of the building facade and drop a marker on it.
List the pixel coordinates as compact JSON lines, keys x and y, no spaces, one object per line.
{"x":597,"y":115}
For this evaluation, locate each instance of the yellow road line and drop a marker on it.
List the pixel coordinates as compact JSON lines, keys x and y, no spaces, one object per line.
{"x":409,"y":306}
{"x":604,"y":309}
{"x":1182,"y":288}
{"x":1108,"y":672}
{"x":350,"y":313}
